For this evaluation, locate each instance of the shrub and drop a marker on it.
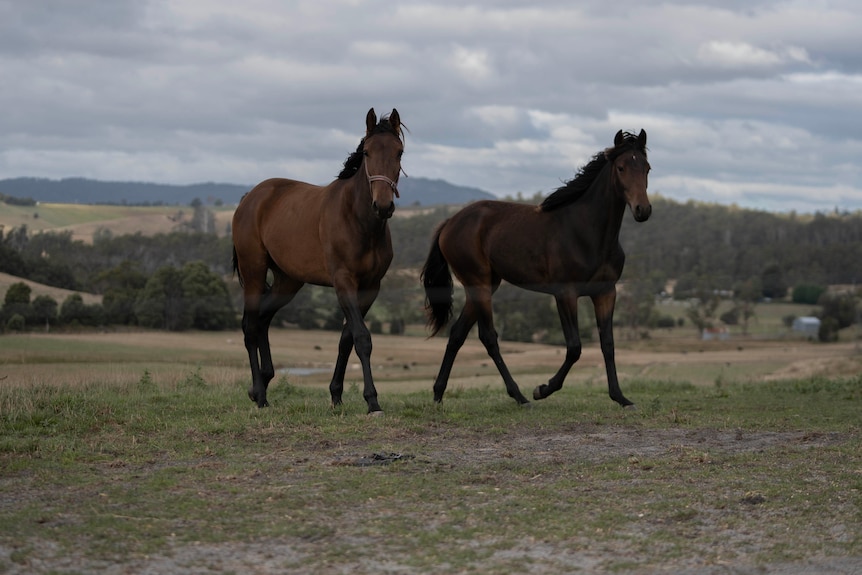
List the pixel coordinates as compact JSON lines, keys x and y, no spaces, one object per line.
{"x":807,"y":294}
{"x":16,"y":323}
{"x":828,"y":332}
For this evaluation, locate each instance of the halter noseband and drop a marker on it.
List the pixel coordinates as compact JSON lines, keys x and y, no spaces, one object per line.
{"x":381,"y":178}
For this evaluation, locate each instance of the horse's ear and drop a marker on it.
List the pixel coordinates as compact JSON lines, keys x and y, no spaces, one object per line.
{"x":642,"y":139}
{"x":395,"y":121}
{"x":370,"y":122}
{"x":618,"y":139}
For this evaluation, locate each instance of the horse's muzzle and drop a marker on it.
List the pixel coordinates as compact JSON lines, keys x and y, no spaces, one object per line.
{"x":642,"y":213}
{"x":384,"y":212}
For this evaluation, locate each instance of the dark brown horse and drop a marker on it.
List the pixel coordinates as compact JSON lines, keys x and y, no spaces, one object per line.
{"x":567,"y":247}
{"x":335,"y":235}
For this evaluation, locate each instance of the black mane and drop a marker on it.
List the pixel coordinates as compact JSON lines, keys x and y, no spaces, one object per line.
{"x":575,"y":188}
{"x":354,"y":160}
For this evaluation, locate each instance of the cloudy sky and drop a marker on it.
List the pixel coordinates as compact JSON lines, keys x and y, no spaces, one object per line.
{"x":756,"y":103}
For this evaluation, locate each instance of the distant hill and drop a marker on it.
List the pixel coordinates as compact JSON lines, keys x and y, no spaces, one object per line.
{"x":414,"y":190}
{"x":426,"y":192}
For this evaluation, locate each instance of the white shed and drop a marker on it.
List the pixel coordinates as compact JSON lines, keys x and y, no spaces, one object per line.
{"x":807,"y":325}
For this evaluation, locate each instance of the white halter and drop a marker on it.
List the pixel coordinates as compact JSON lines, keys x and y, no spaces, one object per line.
{"x":380,"y":178}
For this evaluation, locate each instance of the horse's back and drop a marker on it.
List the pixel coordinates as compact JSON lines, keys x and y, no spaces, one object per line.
{"x":523,"y":245}
{"x":484,"y":216}
{"x":492,"y":222}
{"x":278,"y":220}
{"x":486,"y":233}
{"x":279,"y":199}
{"x":269,"y":193}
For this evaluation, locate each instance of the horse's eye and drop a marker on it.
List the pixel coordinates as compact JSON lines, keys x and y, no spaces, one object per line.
{"x":365,"y":153}
{"x":620,"y":169}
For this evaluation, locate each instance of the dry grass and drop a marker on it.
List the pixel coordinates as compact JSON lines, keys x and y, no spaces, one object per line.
{"x":37,"y":289}
{"x":405,"y":363}
{"x":83,"y":220}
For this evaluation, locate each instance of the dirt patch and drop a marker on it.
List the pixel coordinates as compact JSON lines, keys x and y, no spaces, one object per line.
{"x":600,"y":443}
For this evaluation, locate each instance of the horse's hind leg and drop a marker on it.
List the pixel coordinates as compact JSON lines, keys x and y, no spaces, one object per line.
{"x":488,"y":337}
{"x":457,"y":336}
{"x":257,"y":317}
{"x":251,"y":329}
{"x":345,"y":346}
{"x":278,"y":297}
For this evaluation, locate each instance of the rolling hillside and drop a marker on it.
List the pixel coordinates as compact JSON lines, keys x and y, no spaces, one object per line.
{"x":38,"y":289}
{"x":83,"y":220}
{"x":84,"y":207}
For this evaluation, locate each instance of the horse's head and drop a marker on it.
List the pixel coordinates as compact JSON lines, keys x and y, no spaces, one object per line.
{"x":630,"y":172}
{"x":382,"y":149}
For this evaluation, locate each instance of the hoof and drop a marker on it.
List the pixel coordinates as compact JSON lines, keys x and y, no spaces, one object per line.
{"x":376,"y":413}
{"x":526,"y":405}
{"x":630,"y":407}
{"x":540,"y":392}
{"x":253,"y":397}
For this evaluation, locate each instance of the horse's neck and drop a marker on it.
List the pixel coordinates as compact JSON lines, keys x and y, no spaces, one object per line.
{"x":606,"y":209}
{"x":355,"y":197}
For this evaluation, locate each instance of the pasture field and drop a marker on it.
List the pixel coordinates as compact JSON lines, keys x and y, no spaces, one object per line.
{"x":84,"y":220}
{"x":37,"y":289}
{"x":140,"y":453}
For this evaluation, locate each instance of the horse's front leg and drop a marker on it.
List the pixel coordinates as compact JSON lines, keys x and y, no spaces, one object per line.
{"x":481,"y":298}
{"x":604,"y":305}
{"x":355,"y":307}
{"x":457,"y":336}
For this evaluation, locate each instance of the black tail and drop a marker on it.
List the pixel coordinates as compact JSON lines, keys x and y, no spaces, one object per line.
{"x":438,"y":286}
{"x":236,"y":266}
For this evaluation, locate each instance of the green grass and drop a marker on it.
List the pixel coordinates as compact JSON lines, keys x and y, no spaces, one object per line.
{"x":738,"y":472}
{"x":109,"y":468}
{"x":767,"y":321}
{"x":51,"y":215}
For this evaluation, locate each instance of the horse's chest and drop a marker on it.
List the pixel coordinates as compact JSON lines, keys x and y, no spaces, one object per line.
{"x":607,"y":268}
{"x":369,"y":260}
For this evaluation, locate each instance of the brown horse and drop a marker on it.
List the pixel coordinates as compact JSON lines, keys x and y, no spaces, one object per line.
{"x":335,"y":235}
{"x":567,"y":247}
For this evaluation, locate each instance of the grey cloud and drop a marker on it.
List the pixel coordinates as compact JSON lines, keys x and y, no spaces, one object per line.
{"x":742,"y":101}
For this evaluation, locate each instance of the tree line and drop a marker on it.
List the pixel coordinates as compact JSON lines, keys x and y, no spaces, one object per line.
{"x":708,"y":252}
{"x":172,"y":298}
